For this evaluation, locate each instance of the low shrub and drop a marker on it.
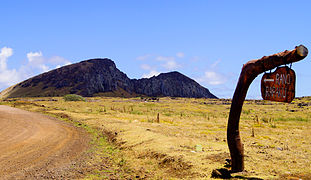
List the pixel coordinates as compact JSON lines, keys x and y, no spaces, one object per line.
{"x":73,"y":97}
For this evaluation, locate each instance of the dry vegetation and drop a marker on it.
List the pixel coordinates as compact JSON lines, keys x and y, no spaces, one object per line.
{"x":186,"y":138}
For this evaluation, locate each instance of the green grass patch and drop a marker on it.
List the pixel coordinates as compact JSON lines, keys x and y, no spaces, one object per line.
{"x":292,"y":119}
{"x":73,"y":97}
{"x":137,"y":112}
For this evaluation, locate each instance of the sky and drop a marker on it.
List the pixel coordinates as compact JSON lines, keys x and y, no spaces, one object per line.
{"x":206,"y":40}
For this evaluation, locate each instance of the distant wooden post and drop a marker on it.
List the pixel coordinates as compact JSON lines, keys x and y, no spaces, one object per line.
{"x":158,"y":118}
{"x":249,"y":72}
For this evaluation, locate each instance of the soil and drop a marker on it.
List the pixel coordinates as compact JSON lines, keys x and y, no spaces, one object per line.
{"x":35,"y":146}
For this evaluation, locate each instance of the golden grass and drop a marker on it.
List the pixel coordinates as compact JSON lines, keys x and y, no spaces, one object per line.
{"x":190,"y":139}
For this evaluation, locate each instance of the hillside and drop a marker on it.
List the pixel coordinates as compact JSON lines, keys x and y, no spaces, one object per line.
{"x":101,"y":77}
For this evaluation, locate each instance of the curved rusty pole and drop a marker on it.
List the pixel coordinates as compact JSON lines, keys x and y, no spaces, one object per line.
{"x":249,"y":72}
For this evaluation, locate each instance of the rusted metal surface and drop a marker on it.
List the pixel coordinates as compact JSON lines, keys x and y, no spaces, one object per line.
{"x":249,"y":72}
{"x":279,"y":86}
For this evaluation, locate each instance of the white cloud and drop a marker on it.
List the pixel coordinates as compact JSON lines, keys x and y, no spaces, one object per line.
{"x":35,"y":57}
{"x":212,"y":78}
{"x":180,"y":54}
{"x":165,"y":58}
{"x":38,"y":61}
{"x":165,"y":63}
{"x":44,"y":68}
{"x":58,"y":60}
{"x":170,"y":65}
{"x":4,"y":55}
{"x":145,"y":67}
{"x":7,"y":77}
{"x":169,"y":62}
{"x":6,"y":52}
{"x":151,"y":74}
{"x":144,"y":57}
{"x":152,"y":71}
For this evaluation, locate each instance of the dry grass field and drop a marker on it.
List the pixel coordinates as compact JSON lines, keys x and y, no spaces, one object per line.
{"x":173,"y":138}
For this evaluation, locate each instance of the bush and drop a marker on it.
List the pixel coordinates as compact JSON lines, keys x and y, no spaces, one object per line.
{"x":73,"y":97}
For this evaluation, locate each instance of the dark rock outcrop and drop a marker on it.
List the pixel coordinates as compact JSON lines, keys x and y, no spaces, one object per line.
{"x":172,"y":84}
{"x":101,"y":77}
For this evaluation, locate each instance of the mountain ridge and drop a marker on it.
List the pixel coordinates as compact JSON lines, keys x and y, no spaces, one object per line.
{"x":101,"y":77}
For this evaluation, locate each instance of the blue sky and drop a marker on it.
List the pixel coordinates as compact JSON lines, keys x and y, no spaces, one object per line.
{"x":208,"y":41}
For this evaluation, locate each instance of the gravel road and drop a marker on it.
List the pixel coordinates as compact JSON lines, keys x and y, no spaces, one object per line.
{"x":35,"y":146}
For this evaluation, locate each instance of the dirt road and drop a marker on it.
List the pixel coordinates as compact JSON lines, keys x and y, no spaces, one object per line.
{"x":35,"y":146}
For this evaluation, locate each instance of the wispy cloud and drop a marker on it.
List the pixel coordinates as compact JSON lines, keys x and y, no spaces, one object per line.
{"x":169,"y":62}
{"x":171,"y":65}
{"x":58,"y":61}
{"x":146,"y":67}
{"x":214,"y":65}
{"x":159,"y":63}
{"x":151,"y":74}
{"x":143,"y":57}
{"x":165,"y":58}
{"x":152,"y":71}
{"x":180,"y":55}
{"x":212,"y":78}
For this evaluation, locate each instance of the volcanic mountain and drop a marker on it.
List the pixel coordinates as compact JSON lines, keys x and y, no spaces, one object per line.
{"x":101,"y":77}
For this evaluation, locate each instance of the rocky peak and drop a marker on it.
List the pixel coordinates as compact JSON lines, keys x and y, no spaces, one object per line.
{"x":100,"y":76}
{"x":172,"y":84}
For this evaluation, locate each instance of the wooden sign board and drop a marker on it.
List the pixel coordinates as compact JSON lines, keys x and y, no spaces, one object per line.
{"x":279,"y":86}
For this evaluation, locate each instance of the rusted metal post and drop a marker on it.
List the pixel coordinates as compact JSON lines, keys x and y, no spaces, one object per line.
{"x":249,"y":72}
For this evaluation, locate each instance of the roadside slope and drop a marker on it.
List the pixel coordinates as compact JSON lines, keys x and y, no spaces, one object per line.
{"x":37,"y":146}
